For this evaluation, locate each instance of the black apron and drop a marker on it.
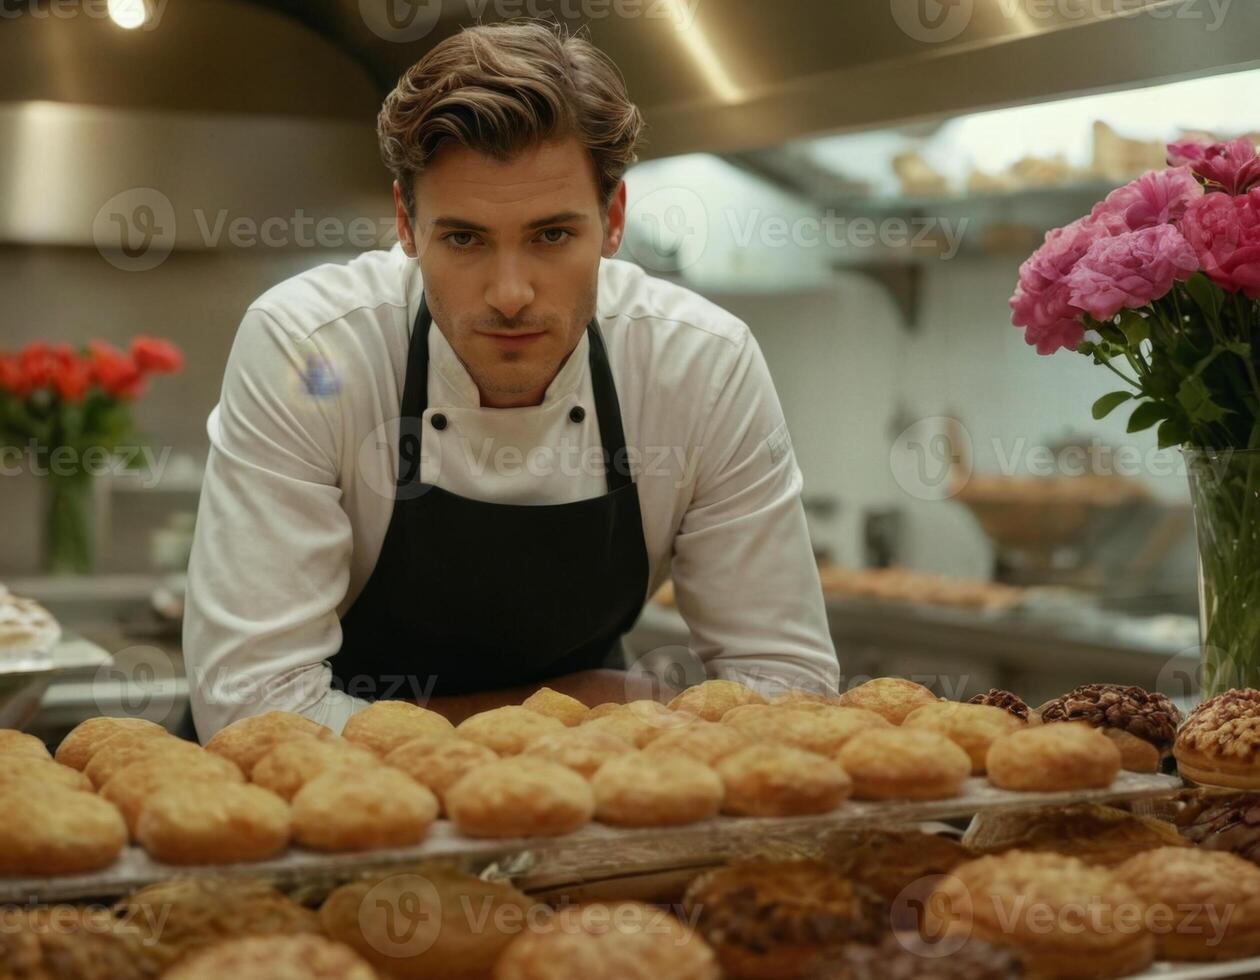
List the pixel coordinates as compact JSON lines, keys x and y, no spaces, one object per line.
{"x":468,"y":595}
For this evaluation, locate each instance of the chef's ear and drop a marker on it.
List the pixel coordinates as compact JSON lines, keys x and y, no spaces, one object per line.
{"x":615,"y":222}
{"x":402,"y":223}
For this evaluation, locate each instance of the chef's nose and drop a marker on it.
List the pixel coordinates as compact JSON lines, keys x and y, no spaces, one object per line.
{"x":510,"y":290}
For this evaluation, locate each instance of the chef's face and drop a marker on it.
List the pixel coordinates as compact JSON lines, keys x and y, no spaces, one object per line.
{"x":509,"y":252}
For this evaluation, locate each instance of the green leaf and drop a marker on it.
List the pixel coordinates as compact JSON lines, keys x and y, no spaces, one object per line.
{"x":1146,"y":415}
{"x":1194,"y":397}
{"x":1134,"y":327}
{"x":1172,"y":432}
{"x":1109,"y":402}
{"x":1205,"y":294}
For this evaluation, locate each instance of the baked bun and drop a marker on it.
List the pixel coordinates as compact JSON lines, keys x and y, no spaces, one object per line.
{"x":582,"y":749}
{"x":274,"y":958}
{"x":213,"y":823}
{"x":892,"y":697}
{"x":904,"y":763}
{"x":1053,"y":758}
{"x":133,"y":786}
{"x":292,"y":764}
{"x":439,"y":761}
{"x":553,"y":704}
{"x":384,"y":725}
{"x":712,"y":699}
{"x":247,"y":740}
{"x":772,"y":780}
{"x":507,"y":730}
{"x":13,"y":742}
{"x":349,"y":810}
{"x":521,"y":796}
{"x":655,"y":790}
{"x":51,"y":830}
{"x":972,"y":727}
{"x":77,"y":748}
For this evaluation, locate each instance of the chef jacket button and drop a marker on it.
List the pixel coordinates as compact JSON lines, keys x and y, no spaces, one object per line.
{"x":439,"y":421}
{"x":577,"y":413}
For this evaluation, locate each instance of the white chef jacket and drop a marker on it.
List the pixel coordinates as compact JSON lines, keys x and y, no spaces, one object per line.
{"x":300,"y":480}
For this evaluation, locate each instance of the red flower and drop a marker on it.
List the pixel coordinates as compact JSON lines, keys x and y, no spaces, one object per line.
{"x":12,"y":378}
{"x":37,"y":365}
{"x":116,"y":372}
{"x":159,"y":356}
{"x":72,"y":379}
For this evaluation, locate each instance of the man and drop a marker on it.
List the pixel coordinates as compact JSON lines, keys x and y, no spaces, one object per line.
{"x":455,"y":470}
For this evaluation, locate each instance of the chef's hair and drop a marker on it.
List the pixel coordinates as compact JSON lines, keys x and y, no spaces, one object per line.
{"x":502,"y":88}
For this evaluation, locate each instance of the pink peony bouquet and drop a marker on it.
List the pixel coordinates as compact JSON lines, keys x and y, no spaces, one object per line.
{"x":1159,"y":283}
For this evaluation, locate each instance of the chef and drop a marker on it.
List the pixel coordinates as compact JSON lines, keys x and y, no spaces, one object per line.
{"x":454,"y":471}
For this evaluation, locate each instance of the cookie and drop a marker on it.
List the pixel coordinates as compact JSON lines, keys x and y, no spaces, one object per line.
{"x":292,"y":764}
{"x":507,"y":730}
{"x":274,"y":958}
{"x":772,"y":780}
{"x":51,"y":831}
{"x":582,"y":749}
{"x":972,"y":727}
{"x":707,"y":741}
{"x":609,"y":941}
{"x":249,"y":739}
{"x":1053,"y":758}
{"x":712,"y":699}
{"x":384,"y":725}
{"x":553,"y":704}
{"x":213,"y":823}
{"x":1219,"y":745}
{"x":438,"y":761}
{"x":655,"y":790}
{"x":132,"y":786}
{"x":892,"y":697}
{"x":347,"y":810}
{"x":903,"y":763}
{"x":13,"y":742}
{"x":17,"y":770}
{"x":521,"y":796}
{"x":82,"y":741}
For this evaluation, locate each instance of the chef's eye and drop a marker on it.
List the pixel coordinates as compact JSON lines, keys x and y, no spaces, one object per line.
{"x":555,"y":236}
{"x":460,"y":239}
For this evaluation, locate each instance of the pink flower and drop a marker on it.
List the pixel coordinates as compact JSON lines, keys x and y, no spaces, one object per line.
{"x":1155,"y":198}
{"x":1129,"y":271}
{"x":1224,"y":232}
{"x":1231,"y":167}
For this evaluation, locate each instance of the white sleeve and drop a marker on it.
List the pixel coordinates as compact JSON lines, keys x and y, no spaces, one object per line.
{"x":271,"y":552}
{"x":744,"y":573}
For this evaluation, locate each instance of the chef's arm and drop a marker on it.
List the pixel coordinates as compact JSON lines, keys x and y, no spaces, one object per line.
{"x":271,"y":554}
{"x":744,"y":573}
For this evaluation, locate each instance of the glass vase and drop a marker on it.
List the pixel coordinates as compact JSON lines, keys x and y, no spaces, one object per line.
{"x":68,"y":532}
{"x":1225,"y":496}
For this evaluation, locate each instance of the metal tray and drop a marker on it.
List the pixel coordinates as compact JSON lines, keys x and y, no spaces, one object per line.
{"x":595,"y":849}
{"x":1202,"y":971}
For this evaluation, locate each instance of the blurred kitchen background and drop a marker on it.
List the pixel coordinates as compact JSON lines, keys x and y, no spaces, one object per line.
{"x":859,"y":181}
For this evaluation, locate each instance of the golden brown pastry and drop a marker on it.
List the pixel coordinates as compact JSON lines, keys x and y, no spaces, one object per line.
{"x":582,"y":749}
{"x":18,"y":769}
{"x":121,"y":750}
{"x":274,"y":958}
{"x":438,"y":761}
{"x":1053,"y":758}
{"x":13,"y":742}
{"x":77,"y":748}
{"x":434,"y":923}
{"x":773,"y":780}
{"x":52,"y":830}
{"x":617,"y":941}
{"x":556,"y":705}
{"x":1143,"y":724}
{"x":904,"y":763}
{"x":213,"y":823}
{"x":520,"y":796}
{"x":132,"y":786}
{"x":347,"y":810}
{"x":1095,"y":834}
{"x":712,"y":699}
{"x":64,"y":942}
{"x":905,"y":955}
{"x":823,"y":731}
{"x":1064,"y":917}
{"x":603,"y":710}
{"x":1201,"y":905}
{"x":707,"y":741}
{"x":507,"y":730}
{"x":778,"y":919}
{"x":1219,"y":745}
{"x":799,"y":698}
{"x":973,"y":727}
{"x":384,"y":725}
{"x":292,"y":764}
{"x":892,"y":697}
{"x":249,"y":739}
{"x":655,"y":790}
{"x":628,"y":727}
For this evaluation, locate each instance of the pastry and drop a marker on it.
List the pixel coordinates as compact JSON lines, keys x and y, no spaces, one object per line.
{"x":906,"y":955}
{"x":778,"y":919}
{"x":603,"y":710}
{"x":1053,"y":758}
{"x":13,"y":742}
{"x":799,"y":698}
{"x":712,"y":699}
{"x":563,"y":708}
{"x":582,"y":749}
{"x":655,"y":790}
{"x":434,"y":923}
{"x":349,"y":810}
{"x":292,"y":764}
{"x":892,"y":697}
{"x":213,"y":823}
{"x":1142,"y":724}
{"x":824,"y":731}
{"x":1224,"y":822}
{"x":904,"y":763}
{"x":617,"y":941}
{"x":1200,"y":904}
{"x":384,"y":725}
{"x":249,"y":739}
{"x":973,"y":727}
{"x":1010,"y":703}
{"x":274,"y":958}
{"x":632,"y":728}
{"x":661,"y":720}
{"x":1063,"y":917}
{"x":438,"y":761}
{"x":82,"y":741}
{"x":520,"y":797}
{"x":26,"y":627}
{"x":63,"y":942}
{"x":772,"y":780}
{"x":707,"y":741}
{"x":121,"y":750}
{"x":16,"y":770}
{"x":1095,"y":834}
{"x":169,"y":920}
{"x":507,"y":730}
{"x":1219,"y":745}
{"x":132,"y":786}
{"x":51,"y":831}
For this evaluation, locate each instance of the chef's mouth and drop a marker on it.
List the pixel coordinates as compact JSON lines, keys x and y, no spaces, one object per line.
{"x":515,"y":336}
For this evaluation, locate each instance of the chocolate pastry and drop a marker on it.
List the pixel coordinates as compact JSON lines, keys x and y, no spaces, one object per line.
{"x":905,"y":956}
{"x":1098,"y":835}
{"x":1224,"y":823}
{"x":1136,"y":719}
{"x":1005,"y":700}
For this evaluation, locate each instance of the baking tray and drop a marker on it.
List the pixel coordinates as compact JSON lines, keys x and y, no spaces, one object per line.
{"x":1202,"y":971}
{"x":595,"y":849}
{"x":71,"y":653}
